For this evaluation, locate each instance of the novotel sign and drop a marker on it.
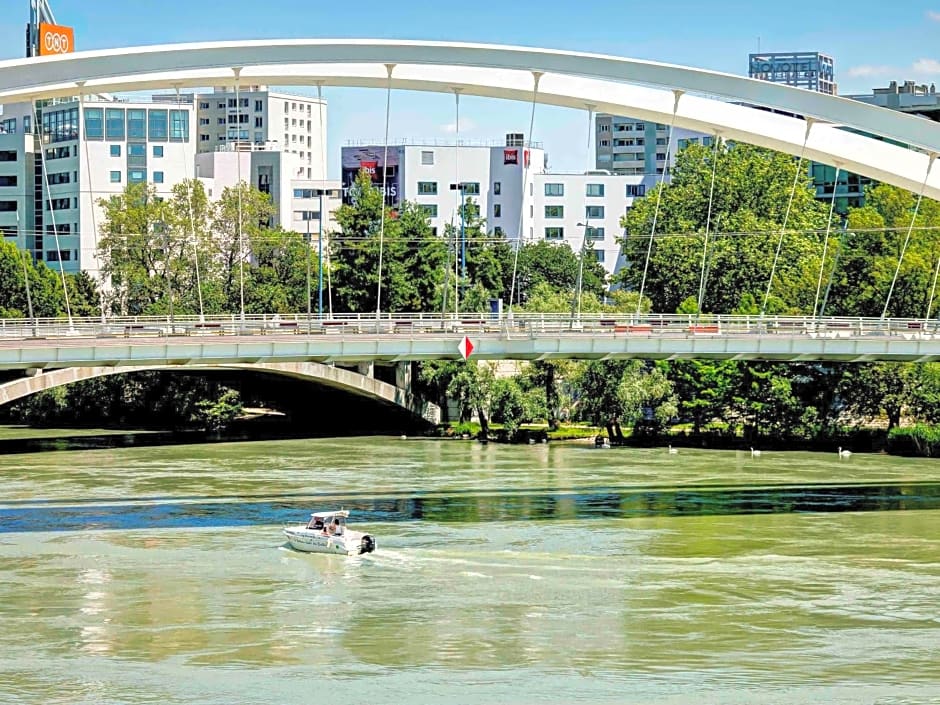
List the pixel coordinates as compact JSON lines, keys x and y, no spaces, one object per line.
{"x":787,"y":66}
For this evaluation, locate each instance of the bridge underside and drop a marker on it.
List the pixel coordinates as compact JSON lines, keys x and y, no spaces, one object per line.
{"x":274,"y":353}
{"x":327,"y":394}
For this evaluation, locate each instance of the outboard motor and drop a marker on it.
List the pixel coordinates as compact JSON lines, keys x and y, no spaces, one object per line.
{"x":367,"y":545}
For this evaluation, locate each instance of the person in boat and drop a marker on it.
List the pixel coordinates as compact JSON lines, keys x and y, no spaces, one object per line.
{"x":336,"y":528}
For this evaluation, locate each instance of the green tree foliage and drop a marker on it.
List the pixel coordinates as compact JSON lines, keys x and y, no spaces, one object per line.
{"x":45,"y":285}
{"x":619,"y":393}
{"x":752,"y":192}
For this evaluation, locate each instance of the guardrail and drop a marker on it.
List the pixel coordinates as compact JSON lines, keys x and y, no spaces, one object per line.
{"x":423,"y":324}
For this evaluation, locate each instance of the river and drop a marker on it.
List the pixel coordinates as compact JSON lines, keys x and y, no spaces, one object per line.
{"x":503,"y":574}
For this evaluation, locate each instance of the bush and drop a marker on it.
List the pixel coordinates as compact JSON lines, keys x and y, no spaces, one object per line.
{"x":922,"y":440}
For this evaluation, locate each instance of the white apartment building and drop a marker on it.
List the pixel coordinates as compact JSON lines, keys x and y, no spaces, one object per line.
{"x":584,"y":210}
{"x":633,"y":147}
{"x":256,"y":115}
{"x":428,"y":174}
{"x":88,"y":151}
{"x":300,"y":204}
{"x":556,"y":207}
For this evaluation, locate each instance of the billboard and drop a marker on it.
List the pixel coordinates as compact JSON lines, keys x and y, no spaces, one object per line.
{"x":372,"y":161}
{"x":55,"y":39}
{"x":511,"y":157}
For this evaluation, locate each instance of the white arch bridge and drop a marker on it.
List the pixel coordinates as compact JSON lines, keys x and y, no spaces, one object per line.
{"x":701,"y":100}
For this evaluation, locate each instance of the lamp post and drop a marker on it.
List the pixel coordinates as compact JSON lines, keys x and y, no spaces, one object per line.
{"x":576,"y":304}
{"x":320,"y":260}
{"x":461,"y":188}
{"x":307,"y":241}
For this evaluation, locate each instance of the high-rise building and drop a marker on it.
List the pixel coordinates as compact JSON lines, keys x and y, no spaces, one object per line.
{"x":906,"y":97}
{"x":801,"y":69}
{"x":294,"y":124}
{"x":631,"y":147}
{"x":812,"y":71}
{"x":76,"y":153}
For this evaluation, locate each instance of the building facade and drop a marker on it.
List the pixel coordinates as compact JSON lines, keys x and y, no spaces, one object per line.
{"x":630,"y":147}
{"x":801,"y":69}
{"x":907,"y":97}
{"x":294,"y":124}
{"x":81,"y":152}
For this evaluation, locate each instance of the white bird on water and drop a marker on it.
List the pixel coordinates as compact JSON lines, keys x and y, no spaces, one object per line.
{"x":672,"y":450}
{"x":844,"y":453}
{"x":755,"y":453}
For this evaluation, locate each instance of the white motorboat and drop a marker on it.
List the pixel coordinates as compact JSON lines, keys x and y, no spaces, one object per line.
{"x":326,"y":532}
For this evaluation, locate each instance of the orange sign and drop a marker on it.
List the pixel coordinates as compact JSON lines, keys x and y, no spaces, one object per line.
{"x":55,"y":39}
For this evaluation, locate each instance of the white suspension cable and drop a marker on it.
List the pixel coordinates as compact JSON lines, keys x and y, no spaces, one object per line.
{"x":920,"y":197}
{"x":192,"y":217}
{"x":459,"y":200}
{"x":659,"y":197}
{"x":933,"y":292}
{"x":388,"y":106}
{"x":537,"y":76}
{"x":91,"y":205}
{"x":329,"y":286}
{"x":47,"y":198}
{"x":576,"y":302}
{"x":708,"y":224}
{"x":796,"y":180}
{"x":238,"y":193}
{"x":822,"y":264}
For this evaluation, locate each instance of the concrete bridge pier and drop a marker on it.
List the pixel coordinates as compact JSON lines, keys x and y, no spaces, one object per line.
{"x":366,"y":369}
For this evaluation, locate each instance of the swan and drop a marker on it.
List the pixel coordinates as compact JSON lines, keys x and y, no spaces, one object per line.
{"x":672,"y":450}
{"x":844,"y":453}
{"x":755,"y":453}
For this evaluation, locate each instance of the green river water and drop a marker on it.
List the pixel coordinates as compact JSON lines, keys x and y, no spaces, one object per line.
{"x":503,"y":574}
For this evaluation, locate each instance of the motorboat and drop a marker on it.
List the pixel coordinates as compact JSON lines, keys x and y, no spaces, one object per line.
{"x":326,"y":532}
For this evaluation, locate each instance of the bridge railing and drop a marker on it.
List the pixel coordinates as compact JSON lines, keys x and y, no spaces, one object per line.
{"x":425,"y":324}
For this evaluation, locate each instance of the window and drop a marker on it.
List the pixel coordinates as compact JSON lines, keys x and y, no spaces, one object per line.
{"x":203,"y":106}
{"x":136,"y":176}
{"x":594,"y":212}
{"x":427,"y":158}
{"x":94,"y":127}
{"x":135,"y":124}
{"x":605,"y":128}
{"x":53,"y":153}
{"x":554,"y":189}
{"x":7,"y":206}
{"x":259,"y":122}
{"x":115,"y":150}
{"x":605,"y":143}
{"x":203,"y":121}
{"x":498,"y":231}
{"x":640,"y":126}
{"x":55,"y":255}
{"x":497,"y":210}
{"x":115,"y":177}
{"x":231,"y":103}
{"x":8,"y":126}
{"x":60,"y":125}
{"x":157,"y":124}
{"x":203,"y":138}
{"x":9,"y":180}
{"x":661,"y":141}
{"x":179,"y":125}
{"x":554,"y":233}
{"x":497,"y":188}
{"x":554,"y":211}
{"x":259,"y":106}
{"x":137,"y":154}
{"x":430,"y":210}
{"x":114,"y":123}
{"x":8,"y":155}
{"x":221,"y":120}
{"x":58,"y":204}
{"x":660,"y":156}
{"x":427,"y":188}
{"x":636,"y":190}
{"x":595,"y":190}
{"x":594,"y":233}
{"x":598,"y":255}
{"x":471,"y":188}
{"x":62,"y":177}
{"x":158,"y":150}
{"x":158,"y":177}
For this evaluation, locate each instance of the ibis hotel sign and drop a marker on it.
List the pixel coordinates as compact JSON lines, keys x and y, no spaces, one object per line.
{"x":55,"y":39}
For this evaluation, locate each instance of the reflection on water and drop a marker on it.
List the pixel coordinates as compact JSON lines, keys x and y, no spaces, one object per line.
{"x":501,"y":575}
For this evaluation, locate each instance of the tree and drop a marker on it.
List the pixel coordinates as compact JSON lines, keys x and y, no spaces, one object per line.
{"x":216,"y":414}
{"x":614,"y":393}
{"x":752,"y":192}
{"x":45,"y":285}
{"x":472,"y":386}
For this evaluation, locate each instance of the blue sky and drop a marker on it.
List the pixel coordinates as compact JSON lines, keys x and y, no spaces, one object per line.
{"x":872,"y":41}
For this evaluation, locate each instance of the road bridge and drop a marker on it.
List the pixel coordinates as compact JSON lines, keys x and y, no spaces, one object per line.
{"x":354,"y":340}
